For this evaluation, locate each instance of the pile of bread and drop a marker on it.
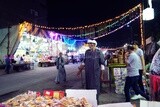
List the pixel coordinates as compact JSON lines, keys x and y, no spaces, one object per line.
{"x":32,"y":100}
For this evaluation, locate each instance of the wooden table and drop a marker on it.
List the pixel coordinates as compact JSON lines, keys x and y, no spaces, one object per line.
{"x":20,"y":67}
{"x":2,"y":66}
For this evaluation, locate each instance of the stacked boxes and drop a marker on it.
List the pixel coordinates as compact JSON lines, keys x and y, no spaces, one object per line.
{"x":119,"y":75}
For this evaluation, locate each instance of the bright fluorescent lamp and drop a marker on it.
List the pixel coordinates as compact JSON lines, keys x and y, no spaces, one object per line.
{"x":148,"y":14}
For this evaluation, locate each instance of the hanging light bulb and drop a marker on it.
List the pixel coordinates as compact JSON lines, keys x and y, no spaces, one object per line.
{"x":148,"y":13}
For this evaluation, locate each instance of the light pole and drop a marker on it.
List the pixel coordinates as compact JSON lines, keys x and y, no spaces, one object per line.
{"x":57,"y":48}
{"x":145,"y":15}
{"x":8,"y":43}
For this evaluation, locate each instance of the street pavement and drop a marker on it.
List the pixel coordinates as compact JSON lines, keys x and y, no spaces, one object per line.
{"x":42,"y":78}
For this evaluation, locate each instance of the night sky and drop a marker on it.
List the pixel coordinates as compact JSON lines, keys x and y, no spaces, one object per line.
{"x":72,"y":13}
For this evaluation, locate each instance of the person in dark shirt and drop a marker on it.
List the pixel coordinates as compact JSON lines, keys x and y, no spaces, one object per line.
{"x":94,"y":67}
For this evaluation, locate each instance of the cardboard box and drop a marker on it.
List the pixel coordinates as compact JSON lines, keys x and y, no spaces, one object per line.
{"x":128,"y":104}
{"x":144,"y":103}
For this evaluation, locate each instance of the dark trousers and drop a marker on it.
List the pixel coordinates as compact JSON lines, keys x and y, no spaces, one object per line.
{"x":7,"y":69}
{"x":64,"y":75}
{"x":133,"y":82}
{"x":140,"y":81}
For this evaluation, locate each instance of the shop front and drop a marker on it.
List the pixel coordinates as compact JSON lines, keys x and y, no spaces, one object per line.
{"x":38,"y":50}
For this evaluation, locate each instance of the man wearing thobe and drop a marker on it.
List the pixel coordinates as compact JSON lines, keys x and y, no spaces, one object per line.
{"x":94,"y":66}
{"x":61,"y":76}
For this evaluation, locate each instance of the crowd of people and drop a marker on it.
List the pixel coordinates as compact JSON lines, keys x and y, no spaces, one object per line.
{"x":94,"y":63}
{"x":9,"y":60}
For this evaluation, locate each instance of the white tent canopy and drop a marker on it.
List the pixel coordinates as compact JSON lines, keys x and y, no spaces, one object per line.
{"x":12,"y":41}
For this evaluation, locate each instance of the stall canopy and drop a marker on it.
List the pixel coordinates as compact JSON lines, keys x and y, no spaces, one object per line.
{"x":9,"y":40}
{"x":10,"y":37}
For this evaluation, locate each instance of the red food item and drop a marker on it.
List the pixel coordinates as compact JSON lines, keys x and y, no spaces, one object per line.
{"x":54,"y":94}
{"x":48,"y":93}
{"x":38,"y":94}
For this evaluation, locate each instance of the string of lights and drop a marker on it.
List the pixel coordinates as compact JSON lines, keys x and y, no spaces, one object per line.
{"x":117,"y":28}
{"x":117,"y":23}
{"x":106,"y":27}
{"x":141,"y":26}
{"x":92,"y":25}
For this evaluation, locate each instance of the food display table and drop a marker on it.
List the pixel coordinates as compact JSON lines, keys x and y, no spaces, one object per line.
{"x":21,"y":67}
{"x":52,"y":98}
{"x":46,"y":64}
{"x":2,"y":66}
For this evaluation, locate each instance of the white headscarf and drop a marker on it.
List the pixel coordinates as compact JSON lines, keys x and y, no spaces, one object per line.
{"x":92,"y":41}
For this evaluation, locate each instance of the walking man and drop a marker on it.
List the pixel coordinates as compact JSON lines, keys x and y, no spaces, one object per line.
{"x":132,"y":61}
{"x":141,"y":67}
{"x":61,"y":76}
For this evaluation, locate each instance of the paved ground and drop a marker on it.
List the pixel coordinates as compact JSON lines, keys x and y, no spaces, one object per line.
{"x":41,"y":79}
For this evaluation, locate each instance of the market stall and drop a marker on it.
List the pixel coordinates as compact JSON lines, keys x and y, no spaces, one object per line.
{"x":2,"y":66}
{"x":67,"y":98}
{"x":46,"y":63}
{"x":22,"y":67}
{"x":117,"y":74}
{"x":39,"y":50}
{"x":19,"y":67}
{"x":51,"y":98}
{"x":117,"y":70}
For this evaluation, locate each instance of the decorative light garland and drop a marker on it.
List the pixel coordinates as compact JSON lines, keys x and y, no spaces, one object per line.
{"x":122,"y":16}
{"x":102,"y":29}
{"x":141,"y":26}
{"x":89,"y":26}
{"x":117,"y":28}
